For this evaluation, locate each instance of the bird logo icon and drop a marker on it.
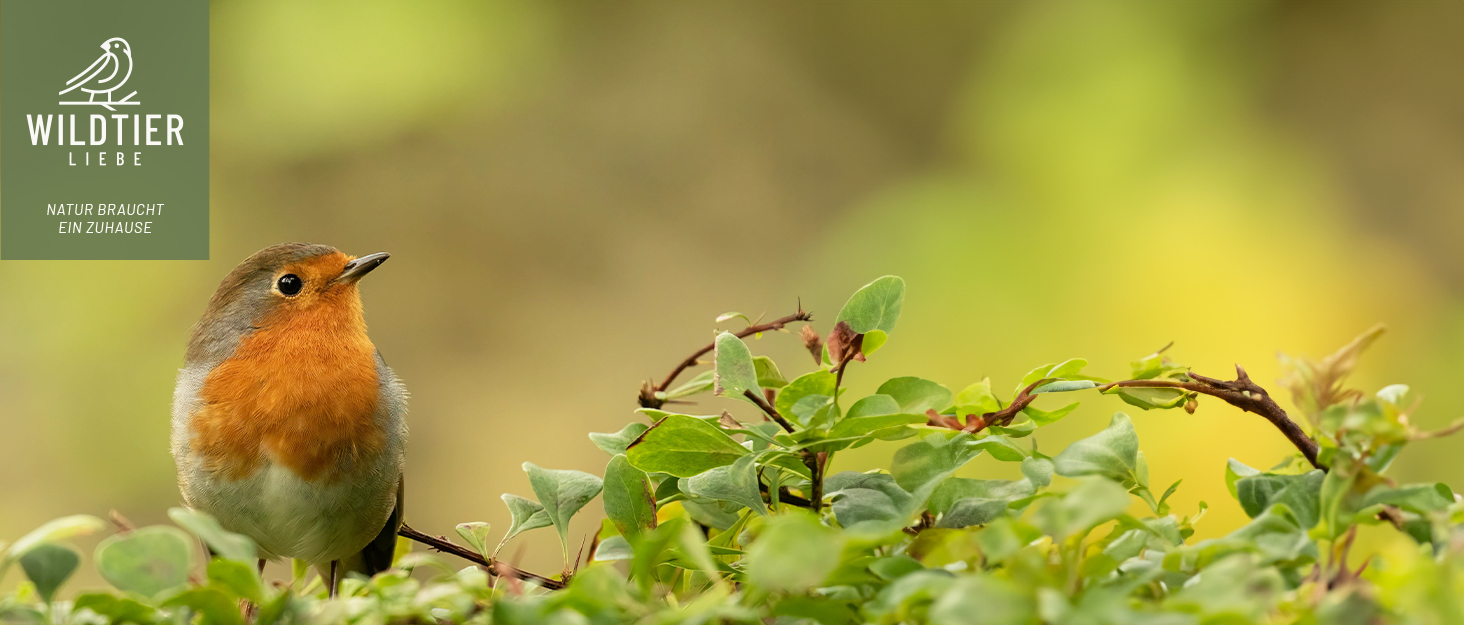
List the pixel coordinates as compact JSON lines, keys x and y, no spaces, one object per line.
{"x":105,"y":75}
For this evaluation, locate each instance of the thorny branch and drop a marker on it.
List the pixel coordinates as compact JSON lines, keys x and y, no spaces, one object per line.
{"x":814,"y":461}
{"x":1001,"y":417}
{"x":493,"y":567}
{"x":1243,"y":394}
{"x":648,"y":392}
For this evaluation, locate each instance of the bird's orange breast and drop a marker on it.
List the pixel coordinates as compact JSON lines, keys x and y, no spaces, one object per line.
{"x":301,"y":390}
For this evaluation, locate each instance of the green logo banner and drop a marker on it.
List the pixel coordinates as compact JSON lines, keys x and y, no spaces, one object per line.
{"x":103,"y":130}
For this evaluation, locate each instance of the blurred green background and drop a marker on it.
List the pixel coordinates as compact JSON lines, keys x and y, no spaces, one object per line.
{"x":573,"y":191}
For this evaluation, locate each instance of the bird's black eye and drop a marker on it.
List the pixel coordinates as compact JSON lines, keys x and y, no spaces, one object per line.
{"x":290,"y":284}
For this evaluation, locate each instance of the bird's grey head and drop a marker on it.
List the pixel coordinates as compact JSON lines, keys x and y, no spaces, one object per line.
{"x":117,"y":44}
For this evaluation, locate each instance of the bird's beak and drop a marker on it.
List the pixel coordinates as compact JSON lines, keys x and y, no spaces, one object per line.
{"x":104,"y":46}
{"x":359,"y":267}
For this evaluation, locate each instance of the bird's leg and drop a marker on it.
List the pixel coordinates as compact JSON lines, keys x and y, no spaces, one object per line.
{"x":249,"y":609}
{"x":334,"y":577}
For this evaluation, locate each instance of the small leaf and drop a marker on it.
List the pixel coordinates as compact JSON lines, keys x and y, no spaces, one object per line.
{"x":1038,"y":469}
{"x":237,"y":577}
{"x":768,"y":375}
{"x":476,"y":535}
{"x":1234,"y":470}
{"x":815,"y":388}
{"x":49,"y":565}
{"x":1151,"y":398}
{"x":735,"y":371}
{"x":614,"y":548}
{"x":977,"y":399}
{"x":1065,"y":386}
{"x":927,"y":463}
{"x":916,"y":395}
{"x":616,"y":443}
{"x":873,"y":406}
{"x":223,"y":542}
{"x":53,"y":531}
{"x":527,"y":515}
{"x":728,"y":316}
{"x":737,"y":483}
{"x":1112,"y":453}
{"x":794,"y":553}
{"x":1049,"y":417}
{"x":1093,"y":501}
{"x":562,"y":493}
{"x":628,"y":499}
{"x":116,"y":609}
{"x":873,"y":340}
{"x":1300,"y":493}
{"x":875,"y":306}
{"x":146,"y":561}
{"x":702,"y":383}
{"x":683,"y":446}
{"x":216,"y":607}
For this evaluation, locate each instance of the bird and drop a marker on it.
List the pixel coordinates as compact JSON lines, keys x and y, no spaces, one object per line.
{"x":102,"y":75}
{"x":287,"y":424}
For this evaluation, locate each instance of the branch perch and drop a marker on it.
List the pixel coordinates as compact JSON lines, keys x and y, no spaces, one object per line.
{"x":494,"y":567}
{"x":648,"y":392}
{"x":1243,"y":394}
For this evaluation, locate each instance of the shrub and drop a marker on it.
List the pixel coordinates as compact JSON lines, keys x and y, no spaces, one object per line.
{"x":733,"y":518}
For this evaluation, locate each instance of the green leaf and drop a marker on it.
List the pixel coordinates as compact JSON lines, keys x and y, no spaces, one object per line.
{"x":146,"y":561}
{"x":996,"y":600}
{"x":1001,"y":448}
{"x":562,"y":493}
{"x":873,"y":406}
{"x":1064,"y":386}
{"x":1150,"y":398}
{"x":728,"y":316}
{"x":976,"y":399}
{"x":930,"y":461}
{"x":737,"y":483}
{"x":476,"y":535}
{"x":53,"y":531}
{"x":629,"y":502}
{"x":1416,"y":498}
{"x":794,"y":553}
{"x":527,"y":515}
{"x":1234,"y":470}
{"x":221,"y":541}
{"x":616,"y":443}
{"x":875,"y":306}
{"x":1093,"y":501}
{"x":684,"y":446}
{"x":1041,"y":417}
{"x":864,"y":499}
{"x":965,"y":502}
{"x":702,"y":383}
{"x":115,"y":609}
{"x":1038,"y":469}
{"x":237,"y":577}
{"x":818,"y":385}
{"x":49,"y":565}
{"x":915,"y":395}
{"x":1112,"y":453}
{"x":873,"y":340}
{"x":216,"y":607}
{"x":768,"y":375}
{"x":856,"y":427}
{"x":735,"y":371}
{"x":1300,"y":493}
{"x":614,"y":548}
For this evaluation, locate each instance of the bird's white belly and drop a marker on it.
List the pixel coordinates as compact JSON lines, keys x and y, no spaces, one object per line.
{"x":293,"y":518}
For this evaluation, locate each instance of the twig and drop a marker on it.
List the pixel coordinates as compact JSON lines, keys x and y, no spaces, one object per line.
{"x":648,"y":393}
{"x":786,"y":496}
{"x":123,"y":524}
{"x":494,"y":567}
{"x":1243,"y":394}
{"x":768,"y":409}
{"x":1004,"y":416}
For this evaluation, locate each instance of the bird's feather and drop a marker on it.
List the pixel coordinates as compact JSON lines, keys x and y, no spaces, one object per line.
{"x":96,"y":68}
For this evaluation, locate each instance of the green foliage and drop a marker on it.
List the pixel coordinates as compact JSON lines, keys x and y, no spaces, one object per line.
{"x":736,"y":518}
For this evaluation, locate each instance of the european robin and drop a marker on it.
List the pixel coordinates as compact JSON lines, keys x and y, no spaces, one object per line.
{"x":288,"y":427}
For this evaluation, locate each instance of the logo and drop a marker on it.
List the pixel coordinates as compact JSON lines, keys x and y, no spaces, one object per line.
{"x":105,"y":75}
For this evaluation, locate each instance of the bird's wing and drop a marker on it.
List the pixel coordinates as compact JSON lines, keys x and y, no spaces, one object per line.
{"x":97,"y":67}
{"x":377,"y":555}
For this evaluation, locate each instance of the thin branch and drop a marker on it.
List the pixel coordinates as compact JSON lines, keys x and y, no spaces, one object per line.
{"x":785,"y":496}
{"x":768,"y":409}
{"x":1000,"y":417}
{"x":1243,"y":394}
{"x":648,"y":398}
{"x":494,"y":567}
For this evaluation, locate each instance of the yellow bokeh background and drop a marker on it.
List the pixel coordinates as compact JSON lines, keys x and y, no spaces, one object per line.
{"x":572,"y":192}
